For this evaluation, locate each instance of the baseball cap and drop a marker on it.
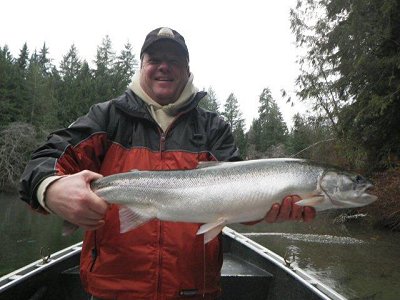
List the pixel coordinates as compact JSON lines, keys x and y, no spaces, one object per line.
{"x":164,"y":33}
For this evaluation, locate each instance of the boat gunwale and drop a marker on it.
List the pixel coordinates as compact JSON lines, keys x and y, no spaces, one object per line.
{"x":38,"y":266}
{"x":299,"y":274}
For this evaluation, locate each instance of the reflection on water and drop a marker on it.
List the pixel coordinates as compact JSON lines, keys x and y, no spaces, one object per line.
{"x":309,"y":238}
{"x":24,"y":232}
{"x":353,"y":259}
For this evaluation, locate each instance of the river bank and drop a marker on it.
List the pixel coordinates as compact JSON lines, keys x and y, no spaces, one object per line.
{"x":385,"y":212}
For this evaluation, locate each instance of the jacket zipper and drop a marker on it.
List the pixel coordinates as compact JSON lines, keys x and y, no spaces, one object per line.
{"x":94,"y":253}
{"x":163,"y":134}
{"x":160,"y":261}
{"x":163,"y":137}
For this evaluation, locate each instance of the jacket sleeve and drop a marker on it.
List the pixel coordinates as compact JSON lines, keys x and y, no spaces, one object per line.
{"x":79,"y":147}
{"x":221,"y":141}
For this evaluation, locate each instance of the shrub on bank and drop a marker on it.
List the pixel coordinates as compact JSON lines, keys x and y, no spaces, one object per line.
{"x":386,"y":210}
{"x":17,"y":140}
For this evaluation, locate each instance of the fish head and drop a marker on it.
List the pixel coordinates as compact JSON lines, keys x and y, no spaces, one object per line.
{"x":345,"y":189}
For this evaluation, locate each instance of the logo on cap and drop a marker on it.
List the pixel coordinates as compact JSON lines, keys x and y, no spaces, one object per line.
{"x":167,"y":32}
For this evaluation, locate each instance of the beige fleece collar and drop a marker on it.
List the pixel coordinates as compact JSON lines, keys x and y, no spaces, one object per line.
{"x":164,"y":114}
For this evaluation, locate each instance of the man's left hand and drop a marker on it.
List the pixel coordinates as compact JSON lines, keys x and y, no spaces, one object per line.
{"x":289,"y":211}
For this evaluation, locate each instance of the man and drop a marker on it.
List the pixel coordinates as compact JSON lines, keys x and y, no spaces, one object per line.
{"x":155,"y":125}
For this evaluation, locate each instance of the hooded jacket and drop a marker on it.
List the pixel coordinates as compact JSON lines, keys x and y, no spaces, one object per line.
{"x":159,"y":260}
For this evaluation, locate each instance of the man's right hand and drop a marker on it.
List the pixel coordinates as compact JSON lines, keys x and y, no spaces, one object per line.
{"x":71,"y":198}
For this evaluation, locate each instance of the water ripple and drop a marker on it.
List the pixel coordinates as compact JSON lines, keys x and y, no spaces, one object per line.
{"x":310,"y":238}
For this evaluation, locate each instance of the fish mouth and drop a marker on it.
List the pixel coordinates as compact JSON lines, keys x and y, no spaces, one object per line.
{"x":368,"y":194}
{"x":369,"y":191}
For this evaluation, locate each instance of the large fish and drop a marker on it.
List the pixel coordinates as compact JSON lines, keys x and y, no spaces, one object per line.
{"x":216,"y":194}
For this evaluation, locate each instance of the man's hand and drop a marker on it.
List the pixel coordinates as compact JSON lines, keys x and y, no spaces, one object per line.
{"x":72,"y":199}
{"x":289,"y":211}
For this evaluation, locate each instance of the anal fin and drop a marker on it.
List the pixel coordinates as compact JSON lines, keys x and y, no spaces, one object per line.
{"x":211,"y":230}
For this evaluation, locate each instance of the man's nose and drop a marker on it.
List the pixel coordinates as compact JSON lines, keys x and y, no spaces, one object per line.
{"x":164,"y":65}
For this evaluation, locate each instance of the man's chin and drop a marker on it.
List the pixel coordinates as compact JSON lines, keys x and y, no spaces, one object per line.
{"x":165,"y":98}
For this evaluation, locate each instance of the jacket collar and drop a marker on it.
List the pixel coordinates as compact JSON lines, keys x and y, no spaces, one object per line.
{"x":133,"y":105}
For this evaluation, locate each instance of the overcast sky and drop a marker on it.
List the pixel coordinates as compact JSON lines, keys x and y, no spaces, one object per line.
{"x":235,"y":47}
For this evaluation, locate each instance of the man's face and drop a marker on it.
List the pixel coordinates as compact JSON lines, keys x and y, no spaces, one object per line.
{"x":164,"y":72}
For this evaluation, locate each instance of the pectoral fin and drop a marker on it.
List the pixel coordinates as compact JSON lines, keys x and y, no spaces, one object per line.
{"x":211,"y":230}
{"x":69,"y":228}
{"x":314,"y":201}
{"x":130,"y":219}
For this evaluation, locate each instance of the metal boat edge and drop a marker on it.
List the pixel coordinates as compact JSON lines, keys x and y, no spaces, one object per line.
{"x":22,"y":274}
{"x":319,"y":288}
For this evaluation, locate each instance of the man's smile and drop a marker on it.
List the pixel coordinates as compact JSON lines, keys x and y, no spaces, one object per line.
{"x":164,"y":79}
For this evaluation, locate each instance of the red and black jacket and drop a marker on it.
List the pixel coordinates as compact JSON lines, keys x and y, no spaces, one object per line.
{"x":159,"y":260}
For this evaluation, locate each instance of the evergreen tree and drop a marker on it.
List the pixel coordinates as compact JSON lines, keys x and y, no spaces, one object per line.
{"x":23,"y":58}
{"x":351,"y":69}
{"x":268,"y":129}
{"x":103,"y":73}
{"x":241,"y":138}
{"x":210,"y":101}
{"x":22,"y":94}
{"x":300,"y":137}
{"x":68,"y":92}
{"x":233,"y":116}
{"x":8,"y":87}
{"x":124,"y":69}
{"x":86,"y":87}
{"x":70,"y":65}
{"x":255,"y":140}
{"x":41,"y":109}
{"x":232,"y":113}
{"x":44,"y":61}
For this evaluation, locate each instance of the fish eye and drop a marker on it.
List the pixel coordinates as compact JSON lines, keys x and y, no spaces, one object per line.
{"x":359,"y":179}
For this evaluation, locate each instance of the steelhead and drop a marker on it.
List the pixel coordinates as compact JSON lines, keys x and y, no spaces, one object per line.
{"x":216,"y":194}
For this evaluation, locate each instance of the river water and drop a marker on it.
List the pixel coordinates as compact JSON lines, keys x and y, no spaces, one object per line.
{"x":23,"y":233}
{"x":355,"y":260}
